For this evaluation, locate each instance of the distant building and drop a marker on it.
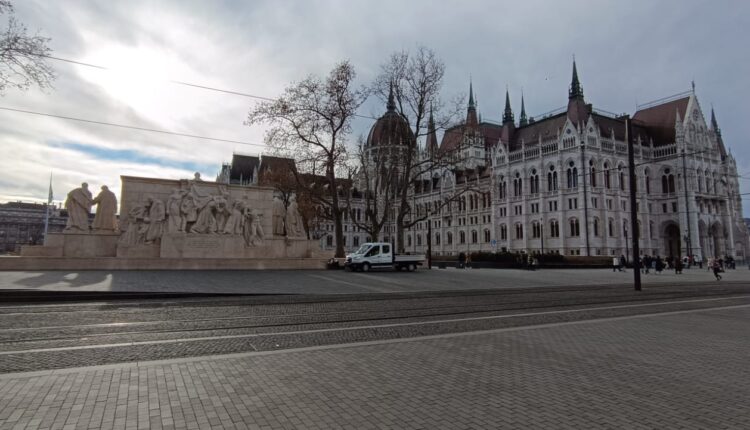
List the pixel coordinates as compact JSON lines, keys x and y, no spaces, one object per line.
{"x":23,"y":224}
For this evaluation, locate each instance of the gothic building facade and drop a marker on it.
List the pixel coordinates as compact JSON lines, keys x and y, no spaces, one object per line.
{"x":560,"y":183}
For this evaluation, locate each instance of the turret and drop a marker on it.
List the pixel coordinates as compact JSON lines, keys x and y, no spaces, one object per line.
{"x":576,"y":91}
{"x":471,"y":111}
{"x":523,"y":120}
{"x":508,"y":112}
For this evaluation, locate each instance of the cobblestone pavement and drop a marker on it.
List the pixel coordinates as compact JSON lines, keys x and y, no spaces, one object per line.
{"x":684,"y":369}
{"x":338,"y":282}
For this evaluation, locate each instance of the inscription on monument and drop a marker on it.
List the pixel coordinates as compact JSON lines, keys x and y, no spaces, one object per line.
{"x":202,"y":243}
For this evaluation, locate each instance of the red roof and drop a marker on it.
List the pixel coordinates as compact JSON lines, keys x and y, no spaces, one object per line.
{"x":660,"y":119}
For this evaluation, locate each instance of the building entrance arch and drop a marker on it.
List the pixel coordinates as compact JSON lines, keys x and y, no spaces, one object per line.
{"x":672,"y":240}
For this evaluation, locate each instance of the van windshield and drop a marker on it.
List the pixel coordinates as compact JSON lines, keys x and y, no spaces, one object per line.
{"x":362,"y":249}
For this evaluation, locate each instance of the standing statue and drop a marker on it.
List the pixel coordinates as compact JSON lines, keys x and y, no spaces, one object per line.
{"x":174,"y":218}
{"x":294,"y":225}
{"x":78,"y":205}
{"x":222,"y":212}
{"x":279,"y":213}
{"x":106,"y":210}
{"x":155,"y":220}
{"x":188,"y":212}
{"x":253,"y":232}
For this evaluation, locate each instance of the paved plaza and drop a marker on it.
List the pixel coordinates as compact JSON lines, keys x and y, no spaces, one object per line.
{"x":339,"y":281}
{"x":684,"y":369}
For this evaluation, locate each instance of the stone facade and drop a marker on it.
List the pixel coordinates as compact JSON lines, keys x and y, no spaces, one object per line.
{"x":23,"y":224}
{"x":560,"y":184}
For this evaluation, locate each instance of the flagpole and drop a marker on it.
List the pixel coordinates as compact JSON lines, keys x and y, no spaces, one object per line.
{"x":46,"y":215}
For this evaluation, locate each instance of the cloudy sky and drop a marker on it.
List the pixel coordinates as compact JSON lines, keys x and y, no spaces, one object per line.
{"x":627,"y":53}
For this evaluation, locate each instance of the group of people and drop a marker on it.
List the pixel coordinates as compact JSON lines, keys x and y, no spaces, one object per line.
{"x":657,"y":264}
{"x":78,"y":204}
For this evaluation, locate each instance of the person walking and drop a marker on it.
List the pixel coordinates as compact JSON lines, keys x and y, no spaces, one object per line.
{"x":716,"y":268}
{"x":678,"y":267}
{"x":622,"y":263}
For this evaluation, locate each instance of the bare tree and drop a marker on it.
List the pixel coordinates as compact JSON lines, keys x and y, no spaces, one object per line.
{"x":23,"y":58}
{"x":375,"y":178}
{"x":417,"y":80}
{"x":310,"y":122}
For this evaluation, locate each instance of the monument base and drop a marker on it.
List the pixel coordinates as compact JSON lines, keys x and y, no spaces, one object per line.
{"x":75,"y":245}
{"x":120,"y":263}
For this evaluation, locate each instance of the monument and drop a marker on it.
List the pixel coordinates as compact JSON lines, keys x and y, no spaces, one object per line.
{"x":180,"y":224}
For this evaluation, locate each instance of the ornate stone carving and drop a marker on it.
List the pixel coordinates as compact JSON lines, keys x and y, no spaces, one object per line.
{"x":279,"y":214}
{"x":132,"y":227}
{"x":294,"y":224}
{"x":253,"y":232}
{"x":155,"y":220}
{"x":174,"y":215}
{"x":78,"y":204}
{"x":106,"y":210}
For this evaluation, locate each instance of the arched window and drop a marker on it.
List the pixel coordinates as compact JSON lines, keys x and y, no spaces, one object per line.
{"x":449,"y":238}
{"x":699,"y":176}
{"x":651,"y":229}
{"x":408,"y":240}
{"x":554,"y":228}
{"x":519,"y":231}
{"x":517,"y":185}
{"x":437,"y":238}
{"x":461,"y":237}
{"x":596,"y":227}
{"x":572,"y":175}
{"x":605,"y":170}
{"x":611,"y":227}
{"x":575,"y":228}
{"x":536,"y":230}
{"x":592,"y":173}
{"x":419,"y":240}
{"x":667,"y":182}
{"x":487,"y":235}
{"x":647,"y":181}
{"x":621,"y":173}
{"x":474,"y":236}
{"x":534,"y":182}
{"x":503,"y":232}
{"x":552,"y":179}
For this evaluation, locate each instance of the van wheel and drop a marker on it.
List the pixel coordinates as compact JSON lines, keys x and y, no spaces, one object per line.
{"x":366,"y":267}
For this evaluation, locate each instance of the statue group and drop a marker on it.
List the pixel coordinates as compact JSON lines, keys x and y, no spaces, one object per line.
{"x":79,"y":203}
{"x":195,"y":212}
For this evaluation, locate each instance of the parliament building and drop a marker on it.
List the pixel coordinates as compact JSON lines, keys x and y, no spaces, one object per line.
{"x":559,"y":183}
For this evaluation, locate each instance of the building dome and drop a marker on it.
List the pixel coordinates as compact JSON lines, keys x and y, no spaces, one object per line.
{"x":391,"y":129}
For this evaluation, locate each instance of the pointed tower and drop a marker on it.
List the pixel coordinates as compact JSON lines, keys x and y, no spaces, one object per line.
{"x":432,"y":141}
{"x":717,"y":132}
{"x":471,"y":111}
{"x":578,"y":111}
{"x":523,"y":120}
{"x":508,"y":112}
{"x":391,"y":106}
{"x":576,"y":91}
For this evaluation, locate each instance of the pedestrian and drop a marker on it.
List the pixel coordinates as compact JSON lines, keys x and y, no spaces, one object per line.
{"x":716,"y":268}
{"x":647,"y":262}
{"x":468,"y":260}
{"x":678,"y":267}
{"x":659,"y":264}
{"x":622,"y":263}
{"x":461,"y":260}
{"x":615,"y":264}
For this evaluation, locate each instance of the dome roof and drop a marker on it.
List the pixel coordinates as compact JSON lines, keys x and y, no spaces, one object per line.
{"x":391,"y":129}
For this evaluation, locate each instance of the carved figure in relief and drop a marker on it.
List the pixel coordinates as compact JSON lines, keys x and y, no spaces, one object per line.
{"x":236,"y":219}
{"x":294,"y":225}
{"x":188,"y":212}
{"x":253,"y":232}
{"x":206,"y":222}
{"x":106,"y":210}
{"x":279,"y":214}
{"x":78,"y":204}
{"x":132,"y":227}
{"x":222,"y":212}
{"x":174,"y":216}
{"x":155,"y":220}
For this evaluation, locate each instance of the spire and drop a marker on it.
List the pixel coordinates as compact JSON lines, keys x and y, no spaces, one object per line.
{"x":471,"y":112}
{"x":576,"y":91}
{"x":508,"y":113}
{"x":432,"y":142}
{"x":391,"y":100}
{"x":472,"y":105}
{"x":714,"y":123}
{"x":523,"y":120}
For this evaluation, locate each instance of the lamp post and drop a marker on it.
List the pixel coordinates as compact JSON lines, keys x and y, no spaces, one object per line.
{"x":633,"y":205}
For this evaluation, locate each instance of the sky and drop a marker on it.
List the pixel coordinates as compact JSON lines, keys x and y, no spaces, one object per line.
{"x":627,"y":53}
